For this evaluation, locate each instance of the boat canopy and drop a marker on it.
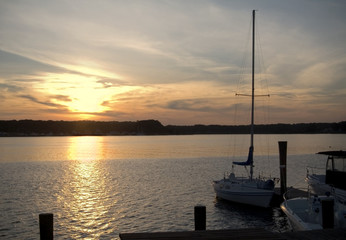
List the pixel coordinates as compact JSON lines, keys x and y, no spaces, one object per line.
{"x":249,"y":159}
{"x":334,"y":153}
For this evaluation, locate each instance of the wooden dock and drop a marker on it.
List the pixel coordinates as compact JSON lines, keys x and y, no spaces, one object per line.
{"x":239,"y":234}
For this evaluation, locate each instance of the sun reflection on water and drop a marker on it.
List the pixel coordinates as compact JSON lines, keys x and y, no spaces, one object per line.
{"x":86,"y":197}
{"x":86,"y":149}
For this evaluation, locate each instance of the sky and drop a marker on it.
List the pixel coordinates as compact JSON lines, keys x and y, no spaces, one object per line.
{"x":177,"y":61}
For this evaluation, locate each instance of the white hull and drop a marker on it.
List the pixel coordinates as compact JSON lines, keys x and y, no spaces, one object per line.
{"x":243,"y":192}
{"x":297,"y":214}
{"x":306,"y":213}
{"x":319,"y":187}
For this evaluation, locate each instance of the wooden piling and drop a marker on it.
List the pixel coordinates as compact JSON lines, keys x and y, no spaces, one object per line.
{"x":283,"y":166}
{"x":328,"y":213}
{"x":200,"y":217}
{"x":46,"y":226}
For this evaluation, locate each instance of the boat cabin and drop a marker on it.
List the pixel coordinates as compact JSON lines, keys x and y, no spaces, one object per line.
{"x":336,"y":168}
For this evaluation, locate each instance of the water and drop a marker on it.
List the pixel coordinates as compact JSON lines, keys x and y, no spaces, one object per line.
{"x":98,"y":187}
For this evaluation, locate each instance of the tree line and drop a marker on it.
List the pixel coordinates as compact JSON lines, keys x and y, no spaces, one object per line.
{"x":153,"y":127}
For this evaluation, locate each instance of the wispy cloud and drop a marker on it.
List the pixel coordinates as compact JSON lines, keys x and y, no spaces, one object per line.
{"x":63,"y":98}
{"x":200,"y":105}
{"x":10,"y":88}
{"x":35,"y":100}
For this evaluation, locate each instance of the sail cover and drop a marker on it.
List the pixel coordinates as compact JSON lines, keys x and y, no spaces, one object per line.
{"x":249,"y":159}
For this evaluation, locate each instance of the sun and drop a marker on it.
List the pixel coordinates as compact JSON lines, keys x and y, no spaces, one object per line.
{"x":87,"y":101}
{"x":81,"y":93}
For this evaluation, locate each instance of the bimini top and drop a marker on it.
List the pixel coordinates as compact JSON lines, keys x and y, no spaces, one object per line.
{"x":334,"y":153}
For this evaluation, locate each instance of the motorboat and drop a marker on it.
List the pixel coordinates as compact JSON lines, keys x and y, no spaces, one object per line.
{"x":332,"y":178}
{"x":314,"y":212}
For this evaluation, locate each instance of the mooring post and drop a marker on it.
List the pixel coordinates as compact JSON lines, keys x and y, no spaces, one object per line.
{"x":328,"y":213}
{"x":283,"y":166}
{"x":46,"y":226}
{"x":200,"y":217}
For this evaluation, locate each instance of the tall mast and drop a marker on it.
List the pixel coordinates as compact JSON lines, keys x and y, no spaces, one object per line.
{"x":253,"y":88}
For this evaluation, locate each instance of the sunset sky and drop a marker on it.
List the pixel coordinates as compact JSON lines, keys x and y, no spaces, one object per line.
{"x":179,"y":61}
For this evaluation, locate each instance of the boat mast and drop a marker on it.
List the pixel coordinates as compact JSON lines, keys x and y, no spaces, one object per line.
{"x":253,"y":89}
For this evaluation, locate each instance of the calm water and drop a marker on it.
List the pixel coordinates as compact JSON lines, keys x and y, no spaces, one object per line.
{"x":100,"y":186}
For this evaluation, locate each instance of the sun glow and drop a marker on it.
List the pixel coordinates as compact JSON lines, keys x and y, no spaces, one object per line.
{"x":80,"y":93}
{"x":87,"y":101}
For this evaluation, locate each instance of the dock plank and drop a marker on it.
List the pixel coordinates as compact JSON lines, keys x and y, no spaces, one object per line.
{"x":239,"y":234}
{"x":336,"y":234}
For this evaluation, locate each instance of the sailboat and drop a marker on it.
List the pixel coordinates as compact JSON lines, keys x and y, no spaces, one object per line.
{"x":251,"y":191}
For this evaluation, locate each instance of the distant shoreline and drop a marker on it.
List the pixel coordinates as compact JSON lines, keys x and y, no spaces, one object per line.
{"x":22,"y":128}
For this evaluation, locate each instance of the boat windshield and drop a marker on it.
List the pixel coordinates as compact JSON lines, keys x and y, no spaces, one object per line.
{"x":340,"y":164}
{"x":336,"y":172}
{"x":336,"y":164}
{"x":330,"y":164}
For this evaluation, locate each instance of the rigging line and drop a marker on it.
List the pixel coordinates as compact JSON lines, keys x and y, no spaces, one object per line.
{"x":245,"y":65}
{"x":262,"y":65}
{"x":262,"y":82}
{"x":241,"y":76}
{"x":235,"y":120}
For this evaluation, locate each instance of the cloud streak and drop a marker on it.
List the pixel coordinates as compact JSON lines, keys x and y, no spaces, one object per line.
{"x":35,"y":100}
